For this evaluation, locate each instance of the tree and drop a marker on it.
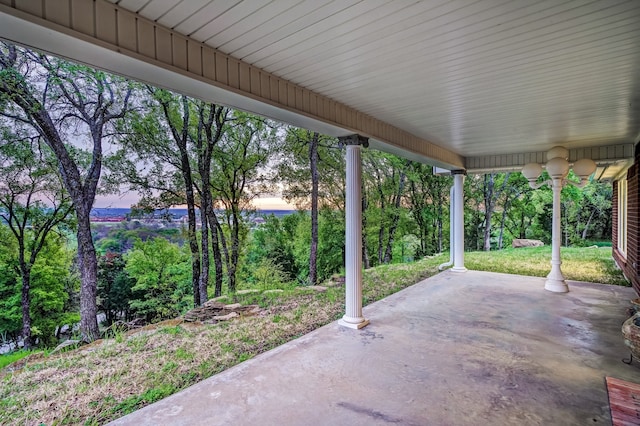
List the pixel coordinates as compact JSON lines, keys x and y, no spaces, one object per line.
{"x":597,"y":205}
{"x":52,"y":288}
{"x":161,"y":274}
{"x":427,"y":198}
{"x":271,"y":243}
{"x":387,"y":178}
{"x":210,"y":129}
{"x":517,"y":185}
{"x":307,"y":169}
{"x":114,"y":287}
{"x":28,"y":179}
{"x":173,"y":138}
{"x":494,"y":186}
{"x":238,"y":170}
{"x":10,"y":312}
{"x":64,"y":101}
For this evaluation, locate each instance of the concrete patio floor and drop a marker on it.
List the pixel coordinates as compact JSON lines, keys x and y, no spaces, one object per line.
{"x":455,"y":349}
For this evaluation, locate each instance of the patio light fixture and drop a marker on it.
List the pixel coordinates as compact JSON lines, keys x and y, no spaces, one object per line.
{"x":557,"y":167}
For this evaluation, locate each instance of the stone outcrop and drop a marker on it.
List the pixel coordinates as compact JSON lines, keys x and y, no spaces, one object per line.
{"x":523,"y":242}
{"x":213,"y":311}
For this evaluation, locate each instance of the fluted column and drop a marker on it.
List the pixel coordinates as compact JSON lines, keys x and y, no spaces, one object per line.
{"x":353,"y":257}
{"x":458,"y":221}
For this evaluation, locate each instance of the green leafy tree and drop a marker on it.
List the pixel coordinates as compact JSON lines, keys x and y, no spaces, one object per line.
{"x":161,"y":272}
{"x":27,"y":179}
{"x":272,"y":243}
{"x":331,"y":245}
{"x":311,"y":168}
{"x":52,"y":286}
{"x":386,"y":175}
{"x":428,"y":199}
{"x":63,"y":101}
{"x":10,"y":312}
{"x":597,"y":210}
{"x":114,"y":287}
{"x":156,"y":160}
{"x":239,"y":174}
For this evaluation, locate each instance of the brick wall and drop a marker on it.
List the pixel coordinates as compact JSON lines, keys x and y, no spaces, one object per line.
{"x":629,"y":263}
{"x":614,"y":215}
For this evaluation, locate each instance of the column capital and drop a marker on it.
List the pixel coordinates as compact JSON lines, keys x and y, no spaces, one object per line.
{"x":459,"y":172}
{"x":354,"y":139}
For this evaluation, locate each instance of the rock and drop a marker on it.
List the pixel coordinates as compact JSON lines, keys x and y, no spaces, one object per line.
{"x":212,"y":312}
{"x":232,"y":306}
{"x":213,"y":304}
{"x":336,"y":280}
{"x":227,"y":317}
{"x":249,"y":291}
{"x":64,"y":345}
{"x":523,"y":242}
{"x":317,"y":288}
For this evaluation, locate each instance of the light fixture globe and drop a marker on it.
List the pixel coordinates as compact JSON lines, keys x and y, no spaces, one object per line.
{"x":558,"y":152}
{"x":532,"y":171}
{"x":558,"y":167}
{"x":584,"y":167}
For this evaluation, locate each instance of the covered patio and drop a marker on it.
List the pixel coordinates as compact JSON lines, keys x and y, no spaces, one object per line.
{"x":467,"y":86}
{"x":478,"y":348}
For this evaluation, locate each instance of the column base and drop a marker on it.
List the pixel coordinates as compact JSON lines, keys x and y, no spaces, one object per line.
{"x":353,"y":325}
{"x":459,"y":269}
{"x":556,"y":286}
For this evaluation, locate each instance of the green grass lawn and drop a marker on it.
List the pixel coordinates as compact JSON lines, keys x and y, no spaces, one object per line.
{"x":112,"y":377}
{"x":12,"y":357}
{"x":578,"y":264}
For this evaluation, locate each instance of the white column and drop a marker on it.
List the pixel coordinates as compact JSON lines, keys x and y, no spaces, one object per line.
{"x":458,"y":221}
{"x":555,"y":280}
{"x":353,"y":257}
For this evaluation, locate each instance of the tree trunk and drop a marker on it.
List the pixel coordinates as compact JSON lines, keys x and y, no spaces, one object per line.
{"x":216,"y":118}
{"x":315,"y":178}
{"x":502,"y":223}
{"x":185,"y":169}
{"x":235,"y":250}
{"x":224,"y":245}
{"x":217,"y":255}
{"x":503,"y":220}
{"x":193,"y":247}
{"x":204,"y":270}
{"x":381,"y":225}
{"x":27,"y":339}
{"x":380,"y":241}
{"x":88,"y":276}
{"x":488,"y":212}
{"x":586,"y":226}
{"x":439,"y":213}
{"x":366,"y":263}
{"x":388,"y":255}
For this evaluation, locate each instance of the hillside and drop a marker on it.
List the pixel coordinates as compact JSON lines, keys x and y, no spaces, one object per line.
{"x":112,"y":377}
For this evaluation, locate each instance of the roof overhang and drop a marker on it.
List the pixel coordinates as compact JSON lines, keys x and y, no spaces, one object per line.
{"x":212,"y":76}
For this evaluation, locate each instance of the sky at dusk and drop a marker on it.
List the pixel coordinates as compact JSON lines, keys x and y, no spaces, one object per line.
{"x":127,"y":199}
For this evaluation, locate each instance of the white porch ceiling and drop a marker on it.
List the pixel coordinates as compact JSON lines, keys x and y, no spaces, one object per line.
{"x":480,"y":78}
{"x":484,"y":85}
